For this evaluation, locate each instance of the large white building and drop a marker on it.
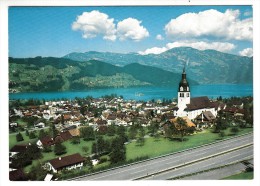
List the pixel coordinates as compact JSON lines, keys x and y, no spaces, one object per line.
{"x":192,"y":107}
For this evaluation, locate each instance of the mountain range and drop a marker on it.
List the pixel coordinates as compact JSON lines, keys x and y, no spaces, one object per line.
{"x":60,"y":74}
{"x":80,"y":71}
{"x":205,"y":67}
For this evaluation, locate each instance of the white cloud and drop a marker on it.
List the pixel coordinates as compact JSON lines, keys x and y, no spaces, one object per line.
{"x":95,"y":23}
{"x":154,"y":50}
{"x":130,"y":28}
{"x":200,"y":45}
{"x":211,"y":23}
{"x":159,"y":37}
{"x":246,"y":52}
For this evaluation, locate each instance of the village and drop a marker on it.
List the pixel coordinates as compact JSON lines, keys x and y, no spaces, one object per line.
{"x":49,"y":125}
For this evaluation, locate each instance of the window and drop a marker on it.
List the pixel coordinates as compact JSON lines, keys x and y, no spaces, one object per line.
{"x":181,"y":88}
{"x":188,"y":95}
{"x":182,"y":95}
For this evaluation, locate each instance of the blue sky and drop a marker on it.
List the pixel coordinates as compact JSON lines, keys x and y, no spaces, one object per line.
{"x":57,"y":31}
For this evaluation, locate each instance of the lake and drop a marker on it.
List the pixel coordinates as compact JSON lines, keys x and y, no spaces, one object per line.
{"x":145,"y":93}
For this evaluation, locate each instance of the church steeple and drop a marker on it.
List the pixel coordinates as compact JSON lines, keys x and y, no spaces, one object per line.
{"x":183,"y":92}
{"x":183,"y":85}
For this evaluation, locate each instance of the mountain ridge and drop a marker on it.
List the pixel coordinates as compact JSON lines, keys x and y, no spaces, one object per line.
{"x":60,"y":74}
{"x":223,"y":67}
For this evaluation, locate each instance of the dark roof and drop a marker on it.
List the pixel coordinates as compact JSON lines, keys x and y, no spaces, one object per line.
{"x":208,"y":115}
{"x":17,"y":175}
{"x":199,"y":103}
{"x":66,"y":135}
{"x":47,"y":141}
{"x":69,"y":128}
{"x":234,"y":110}
{"x":19,"y":148}
{"x":111,"y":117}
{"x":101,"y":122}
{"x":62,"y":162}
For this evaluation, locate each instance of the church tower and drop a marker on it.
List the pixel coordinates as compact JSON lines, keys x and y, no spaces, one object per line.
{"x":183,"y":92}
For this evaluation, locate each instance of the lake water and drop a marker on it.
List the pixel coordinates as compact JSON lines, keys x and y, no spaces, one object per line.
{"x":145,"y":93}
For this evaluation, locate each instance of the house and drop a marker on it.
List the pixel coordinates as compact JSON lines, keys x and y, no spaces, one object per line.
{"x":18,"y":149}
{"x":39,"y":125}
{"x":189,"y":123}
{"x":17,"y":175}
{"x":63,"y":136}
{"x":74,"y":161}
{"x":45,"y":142}
{"x":74,"y":132}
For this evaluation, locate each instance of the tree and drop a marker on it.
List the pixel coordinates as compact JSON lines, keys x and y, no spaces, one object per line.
{"x":88,"y":162}
{"x":75,"y":140}
{"x":42,"y":134}
{"x":181,"y":127}
{"x":34,"y":152}
{"x":19,"y":137}
{"x":87,"y":133}
{"x":153,"y":128}
{"x":32,"y":135}
{"x":111,"y":130}
{"x":37,"y":172}
{"x":21,"y":160}
{"x":101,"y":146}
{"x":47,"y":149}
{"x":54,"y":132}
{"x":140,"y":139}
{"x":59,"y":149}
{"x":168,"y":130}
{"x":118,"y":151}
{"x":27,"y":132}
{"x":132,"y":132}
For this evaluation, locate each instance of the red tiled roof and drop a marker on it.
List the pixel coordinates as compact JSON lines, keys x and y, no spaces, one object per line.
{"x":62,"y":162}
{"x":47,"y":141}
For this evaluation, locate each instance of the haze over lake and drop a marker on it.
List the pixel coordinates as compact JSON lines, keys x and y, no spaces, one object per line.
{"x":145,"y":93}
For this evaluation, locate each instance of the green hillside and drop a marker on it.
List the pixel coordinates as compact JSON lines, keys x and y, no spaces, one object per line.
{"x":205,"y":67}
{"x":60,"y":74}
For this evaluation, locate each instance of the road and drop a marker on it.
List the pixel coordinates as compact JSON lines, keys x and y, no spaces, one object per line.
{"x":182,"y":161}
{"x":218,"y":174}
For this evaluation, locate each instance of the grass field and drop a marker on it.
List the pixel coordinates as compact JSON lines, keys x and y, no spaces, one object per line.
{"x":154,"y":148}
{"x":151,"y":148}
{"x":241,"y":176}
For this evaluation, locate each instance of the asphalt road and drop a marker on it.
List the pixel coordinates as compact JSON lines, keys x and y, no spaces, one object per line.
{"x":183,"y":159}
{"x":238,"y":155}
{"x":218,"y":173}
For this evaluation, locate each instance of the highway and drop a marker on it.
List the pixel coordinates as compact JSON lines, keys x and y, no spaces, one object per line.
{"x":181,"y":163}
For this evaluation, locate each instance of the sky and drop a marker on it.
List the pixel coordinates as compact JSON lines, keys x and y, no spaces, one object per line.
{"x":57,"y":31}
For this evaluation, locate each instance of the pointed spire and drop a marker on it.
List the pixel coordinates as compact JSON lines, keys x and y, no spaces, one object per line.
{"x":184,"y":69}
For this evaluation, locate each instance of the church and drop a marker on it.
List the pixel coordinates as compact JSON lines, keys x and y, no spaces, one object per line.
{"x":193,"y":108}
